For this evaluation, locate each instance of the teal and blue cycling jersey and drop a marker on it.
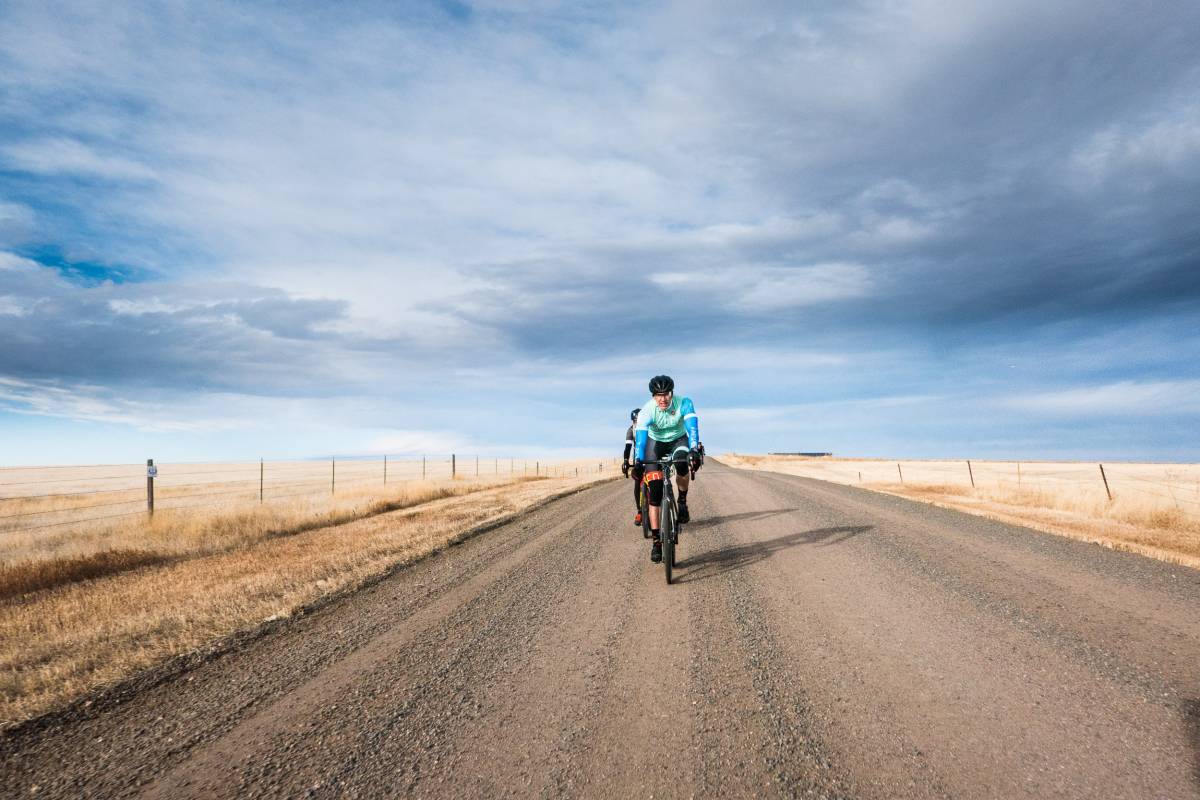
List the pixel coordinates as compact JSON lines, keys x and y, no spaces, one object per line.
{"x":666,"y":425}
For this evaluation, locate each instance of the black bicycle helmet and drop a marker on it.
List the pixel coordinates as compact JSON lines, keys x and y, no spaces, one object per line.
{"x":633,"y":415}
{"x":661,"y":384}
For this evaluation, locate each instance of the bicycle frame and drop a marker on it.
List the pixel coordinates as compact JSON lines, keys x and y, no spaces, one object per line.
{"x":668,"y":510}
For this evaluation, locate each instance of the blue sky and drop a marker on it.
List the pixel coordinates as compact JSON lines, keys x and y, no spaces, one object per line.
{"x":902,"y":228}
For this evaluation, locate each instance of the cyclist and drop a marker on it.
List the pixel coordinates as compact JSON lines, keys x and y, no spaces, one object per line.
{"x":670,"y":422}
{"x":637,"y":485}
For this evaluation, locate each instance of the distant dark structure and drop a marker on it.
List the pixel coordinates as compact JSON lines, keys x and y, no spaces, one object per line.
{"x":809,"y":455}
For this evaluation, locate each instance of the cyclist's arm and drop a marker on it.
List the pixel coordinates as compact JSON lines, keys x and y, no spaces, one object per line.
{"x":628,"y":443}
{"x":691,"y":423}
{"x":641,"y":434}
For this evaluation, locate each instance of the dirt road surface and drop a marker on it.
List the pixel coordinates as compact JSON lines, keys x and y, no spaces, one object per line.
{"x":822,"y":642}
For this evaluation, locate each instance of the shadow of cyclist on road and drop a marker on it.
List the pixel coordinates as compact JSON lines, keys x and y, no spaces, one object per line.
{"x":716,"y":562}
{"x":1191,"y":717}
{"x":745,"y":516}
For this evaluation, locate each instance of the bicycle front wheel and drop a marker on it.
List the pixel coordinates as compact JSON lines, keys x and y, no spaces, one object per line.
{"x":666,"y":526}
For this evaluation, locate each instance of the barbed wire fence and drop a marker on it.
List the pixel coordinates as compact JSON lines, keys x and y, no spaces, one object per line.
{"x":56,"y":497}
{"x":1169,"y":486}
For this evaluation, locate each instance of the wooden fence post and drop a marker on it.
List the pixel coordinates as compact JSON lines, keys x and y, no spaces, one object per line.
{"x":333,"y":475}
{"x":476,"y":466}
{"x":260,"y":481}
{"x":385,"y":469}
{"x":1105,"y":479}
{"x":422,"y":467}
{"x":900,"y":471}
{"x":453,"y":466}
{"x":151,"y":471}
{"x":971,"y":473}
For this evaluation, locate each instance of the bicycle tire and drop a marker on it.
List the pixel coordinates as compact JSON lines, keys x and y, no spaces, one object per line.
{"x":674,"y":534}
{"x":675,"y":548}
{"x":645,"y":516}
{"x":666,"y":523}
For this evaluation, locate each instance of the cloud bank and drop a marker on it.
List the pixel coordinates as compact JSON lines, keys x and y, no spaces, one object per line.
{"x":463,"y":218}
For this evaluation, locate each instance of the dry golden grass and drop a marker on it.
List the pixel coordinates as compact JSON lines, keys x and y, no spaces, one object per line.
{"x":40,"y":560}
{"x":1155,"y":508}
{"x":73,"y":513}
{"x":182,"y":584}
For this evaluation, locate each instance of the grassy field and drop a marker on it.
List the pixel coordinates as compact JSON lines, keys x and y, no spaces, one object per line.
{"x":1154,"y":510}
{"x":84,"y":608}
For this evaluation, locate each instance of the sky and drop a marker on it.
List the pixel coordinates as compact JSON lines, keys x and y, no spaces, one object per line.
{"x":895,"y":228}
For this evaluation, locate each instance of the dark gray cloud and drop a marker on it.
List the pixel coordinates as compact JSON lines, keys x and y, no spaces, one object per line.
{"x":206,"y":337}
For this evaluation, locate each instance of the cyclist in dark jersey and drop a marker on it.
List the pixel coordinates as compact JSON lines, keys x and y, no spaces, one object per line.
{"x":667,"y":424}
{"x":637,"y":485}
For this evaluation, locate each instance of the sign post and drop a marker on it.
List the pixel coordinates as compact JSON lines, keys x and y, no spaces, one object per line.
{"x":151,"y":471}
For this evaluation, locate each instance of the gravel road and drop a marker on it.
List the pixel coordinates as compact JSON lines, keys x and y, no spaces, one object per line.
{"x":823,"y":641}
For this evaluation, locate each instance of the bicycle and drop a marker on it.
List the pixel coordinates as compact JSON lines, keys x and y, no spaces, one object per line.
{"x":668,"y":519}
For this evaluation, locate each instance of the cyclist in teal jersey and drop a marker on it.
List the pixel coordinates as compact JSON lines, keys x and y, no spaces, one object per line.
{"x":666,"y":425}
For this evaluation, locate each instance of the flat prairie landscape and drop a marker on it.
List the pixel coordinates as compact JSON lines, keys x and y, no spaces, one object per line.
{"x":1151,"y":509}
{"x":95,"y":596}
{"x":816,"y":640}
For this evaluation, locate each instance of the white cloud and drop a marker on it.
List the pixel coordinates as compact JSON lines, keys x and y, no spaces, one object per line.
{"x":401,"y":442}
{"x":70,"y":157}
{"x":1146,"y":398}
{"x":12,"y":306}
{"x":98,"y":404}
{"x":787,"y":414}
{"x":1167,"y":142}
{"x":14,"y":263}
{"x":15,"y":217}
{"x":760,"y":289}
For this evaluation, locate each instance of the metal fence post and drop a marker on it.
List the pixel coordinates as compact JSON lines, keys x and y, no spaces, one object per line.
{"x":453,"y":466}
{"x":151,"y":471}
{"x":422,"y":467}
{"x":260,"y":481}
{"x":385,"y":469}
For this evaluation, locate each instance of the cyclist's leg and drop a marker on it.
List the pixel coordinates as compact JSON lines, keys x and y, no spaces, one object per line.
{"x":656,"y":450}
{"x":654,"y":498}
{"x":654,"y":493}
{"x":682,"y":473}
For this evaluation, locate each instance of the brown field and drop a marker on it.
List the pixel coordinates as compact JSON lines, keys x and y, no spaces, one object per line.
{"x":1154,"y":510}
{"x":84,"y":606}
